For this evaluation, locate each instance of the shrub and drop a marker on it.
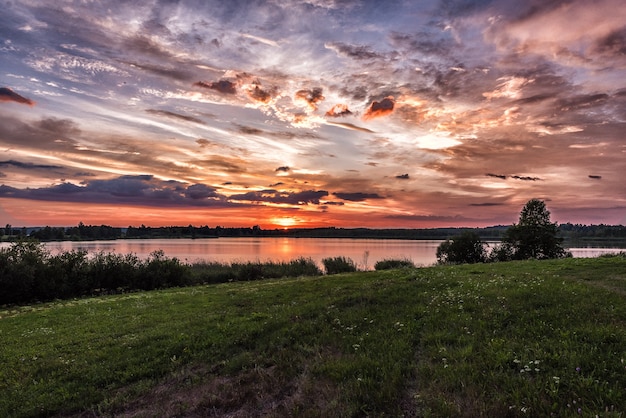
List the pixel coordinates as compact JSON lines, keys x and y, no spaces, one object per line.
{"x":302,"y":267}
{"x":464,"y":248}
{"x":393,"y":264}
{"x":68,"y":273}
{"x":21,"y":272}
{"x":112,"y":271}
{"x":211,"y":272}
{"x":335,"y":265}
{"x":248,"y":271}
{"x":159,"y":271}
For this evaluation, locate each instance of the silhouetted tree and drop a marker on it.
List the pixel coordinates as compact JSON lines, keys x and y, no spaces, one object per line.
{"x":534,"y":236}
{"x":464,"y":248}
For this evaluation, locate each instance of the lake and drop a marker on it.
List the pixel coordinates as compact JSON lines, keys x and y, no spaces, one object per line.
{"x":364,"y":252}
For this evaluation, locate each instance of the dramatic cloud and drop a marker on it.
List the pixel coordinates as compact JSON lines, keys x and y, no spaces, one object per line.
{"x":8,"y":95}
{"x":311,"y":97}
{"x":223,"y":86}
{"x":260,"y":95}
{"x":441,"y":113}
{"x":140,"y":189}
{"x":338,"y":110}
{"x":273,"y":196}
{"x":378,"y":109}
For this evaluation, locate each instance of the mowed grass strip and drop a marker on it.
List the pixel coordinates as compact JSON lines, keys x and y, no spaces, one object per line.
{"x":534,"y":338}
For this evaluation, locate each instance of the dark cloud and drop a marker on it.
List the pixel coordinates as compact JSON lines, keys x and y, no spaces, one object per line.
{"x":173,"y":72}
{"x":60,"y":127}
{"x":592,"y":176}
{"x":200,"y":191}
{"x":283,"y":169}
{"x":174,"y":115}
{"x":338,"y":110}
{"x":223,"y":86}
{"x":378,"y":109}
{"x":142,"y":190}
{"x":28,"y":166}
{"x":274,"y":196}
{"x":537,"y":98}
{"x":612,"y":44}
{"x":260,"y":95}
{"x":504,"y":177}
{"x":422,"y":42}
{"x":403,"y":176}
{"x":280,"y":183}
{"x":357,"y":52}
{"x":486,"y":204}
{"x":582,"y":101}
{"x":526,"y":178}
{"x":8,"y":95}
{"x":144,"y":45}
{"x":249,"y":130}
{"x":357,"y":196}
{"x":311,"y":96}
{"x":357,"y":93}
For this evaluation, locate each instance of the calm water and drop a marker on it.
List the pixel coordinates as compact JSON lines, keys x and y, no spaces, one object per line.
{"x":364,"y":252}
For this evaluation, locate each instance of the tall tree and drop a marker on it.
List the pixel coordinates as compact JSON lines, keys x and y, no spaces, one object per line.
{"x":534,"y":236}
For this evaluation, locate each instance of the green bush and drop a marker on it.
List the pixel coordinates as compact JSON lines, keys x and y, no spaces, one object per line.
{"x":335,"y":265}
{"x":211,"y":272}
{"x":159,"y":272}
{"x":464,"y":248}
{"x":22,"y":276}
{"x":393,"y":264}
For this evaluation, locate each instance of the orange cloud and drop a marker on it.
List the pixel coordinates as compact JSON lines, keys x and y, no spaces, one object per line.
{"x":338,"y":110}
{"x":8,"y":95}
{"x":378,"y":109}
{"x":311,"y":97}
{"x":259,"y":94}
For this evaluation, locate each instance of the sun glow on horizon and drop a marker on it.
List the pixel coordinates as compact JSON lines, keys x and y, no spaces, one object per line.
{"x":284,"y":222}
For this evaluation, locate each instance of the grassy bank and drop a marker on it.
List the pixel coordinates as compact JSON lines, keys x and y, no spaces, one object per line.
{"x":505,"y":339}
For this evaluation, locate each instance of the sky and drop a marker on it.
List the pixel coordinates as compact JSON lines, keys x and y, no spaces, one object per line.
{"x":284,"y":113}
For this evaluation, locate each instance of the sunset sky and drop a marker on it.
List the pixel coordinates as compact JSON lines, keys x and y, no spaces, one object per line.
{"x":284,"y":113}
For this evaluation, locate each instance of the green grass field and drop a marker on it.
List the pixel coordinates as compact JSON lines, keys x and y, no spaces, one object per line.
{"x":536,"y":338}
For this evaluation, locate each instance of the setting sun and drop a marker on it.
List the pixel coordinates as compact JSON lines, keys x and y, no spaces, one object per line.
{"x":284,"y":222}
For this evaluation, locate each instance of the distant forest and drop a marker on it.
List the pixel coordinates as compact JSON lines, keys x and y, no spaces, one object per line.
{"x":81,"y":232}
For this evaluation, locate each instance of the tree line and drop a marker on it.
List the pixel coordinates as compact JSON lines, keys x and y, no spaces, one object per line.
{"x":568,"y":231}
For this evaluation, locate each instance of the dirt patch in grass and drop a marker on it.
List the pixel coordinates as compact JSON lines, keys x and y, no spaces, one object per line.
{"x":257,"y":392}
